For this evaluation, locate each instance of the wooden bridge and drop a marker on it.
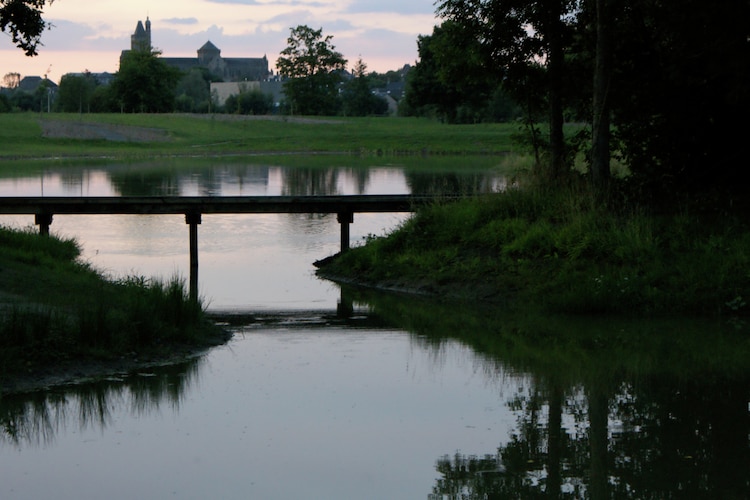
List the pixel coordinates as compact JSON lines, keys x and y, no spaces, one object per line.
{"x":193,"y":207}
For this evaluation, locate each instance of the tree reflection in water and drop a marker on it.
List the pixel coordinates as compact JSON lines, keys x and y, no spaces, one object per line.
{"x":33,"y":419}
{"x":617,"y":408}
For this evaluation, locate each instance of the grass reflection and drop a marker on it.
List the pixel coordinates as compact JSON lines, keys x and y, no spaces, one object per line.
{"x":34,"y":419}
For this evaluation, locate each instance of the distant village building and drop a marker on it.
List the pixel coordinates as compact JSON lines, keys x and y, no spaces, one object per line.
{"x":31,"y":83}
{"x":229,"y":69}
{"x":221,"y":91}
{"x":103,"y":78}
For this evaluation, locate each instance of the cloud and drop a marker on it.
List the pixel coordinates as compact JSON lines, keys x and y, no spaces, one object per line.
{"x":71,"y":36}
{"x":405,"y":7}
{"x":172,"y":43}
{"x":393,"y":6}
{"x":273,"y":3}
{"x":240,"y":2}
{"x":330,"y":26}
{"x":180,"y":20}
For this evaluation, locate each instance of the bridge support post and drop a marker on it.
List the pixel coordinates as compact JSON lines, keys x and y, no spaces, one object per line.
{"x":43,"y":220}
{"x":345,"y":218}
{"x":193,"y":219}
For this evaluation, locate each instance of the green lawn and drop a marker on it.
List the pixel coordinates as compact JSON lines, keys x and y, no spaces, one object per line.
{"x":21,"y":136}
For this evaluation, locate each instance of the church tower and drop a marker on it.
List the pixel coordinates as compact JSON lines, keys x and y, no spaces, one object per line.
{"x":141,"y":39}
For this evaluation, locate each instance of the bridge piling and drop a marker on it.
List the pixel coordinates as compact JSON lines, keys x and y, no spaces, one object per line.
{"x":345,"y":218}
{"x":43,"y":220}
{"x":193,"y":219}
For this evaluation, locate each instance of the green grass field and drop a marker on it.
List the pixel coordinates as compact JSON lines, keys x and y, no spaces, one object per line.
{"x":21,"y":136}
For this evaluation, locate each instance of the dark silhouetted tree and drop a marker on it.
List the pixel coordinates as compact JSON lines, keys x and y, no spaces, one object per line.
{"x":145,"y":83}
{"x":74,"y":94}
{"x":357,"y":97}
{"x":23,"y":20}
{"x":313,"y":71}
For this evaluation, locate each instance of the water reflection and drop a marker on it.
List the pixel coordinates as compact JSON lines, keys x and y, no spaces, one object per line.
{"x":571,"y":408}
{"x":616,"y":408}
{"x":281,"y":175}
{"x":34,"y":419}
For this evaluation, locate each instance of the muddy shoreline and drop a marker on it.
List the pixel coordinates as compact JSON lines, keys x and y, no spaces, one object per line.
{"x":79,"y":371}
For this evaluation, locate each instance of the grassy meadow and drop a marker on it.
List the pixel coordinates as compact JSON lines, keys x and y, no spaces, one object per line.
{"x":195,"y":135}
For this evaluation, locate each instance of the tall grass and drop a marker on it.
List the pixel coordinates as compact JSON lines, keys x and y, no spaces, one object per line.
{"x":25,"y":244}
{"x":562,"y":251}
{"x":55,"y":308}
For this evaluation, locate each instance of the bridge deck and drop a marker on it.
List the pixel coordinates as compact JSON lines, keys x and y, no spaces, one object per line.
{"x":44,"y":208}
{"x":213,"y":204}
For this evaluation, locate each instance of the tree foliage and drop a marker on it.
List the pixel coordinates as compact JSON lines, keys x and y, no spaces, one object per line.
{"x":452,"y":80}
{"x":11,"y":80}
{"x":22,"y":19}
{"x":516,"y":37}
{"x":357,"y":97}
{"x":249,"y":102}
{"x":40,"y":98}
{"x":680,"y":96}
{"x":667,"y":81}
{"x":427,"y":94}
{"x":145,"y":83}
{"x":313,"y":71}
{"x":75,"y":92}
{"x":193,"y":91}
{"x":5,"y":104}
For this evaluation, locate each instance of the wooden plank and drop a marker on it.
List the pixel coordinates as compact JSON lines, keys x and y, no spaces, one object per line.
{"x":215,"y":205}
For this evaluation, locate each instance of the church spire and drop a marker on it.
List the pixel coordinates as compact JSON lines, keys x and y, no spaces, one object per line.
{"x":148,"y":32}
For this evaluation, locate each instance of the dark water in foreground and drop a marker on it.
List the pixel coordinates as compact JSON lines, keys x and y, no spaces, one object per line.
{"x":400,"y":399}
{"x":419,"y":402}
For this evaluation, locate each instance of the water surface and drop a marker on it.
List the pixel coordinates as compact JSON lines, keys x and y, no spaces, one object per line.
{"x":286,"y":412}
{"x":392,"y":397}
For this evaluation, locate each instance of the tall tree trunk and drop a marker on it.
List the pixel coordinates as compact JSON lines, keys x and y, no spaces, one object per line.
{"x":555,"y":68}
{"x":554,"y":441}
{"x":598,"y":441}
{"x":600,"y":154}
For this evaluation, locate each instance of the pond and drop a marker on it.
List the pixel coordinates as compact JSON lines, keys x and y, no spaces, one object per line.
{"x":392,"y":397}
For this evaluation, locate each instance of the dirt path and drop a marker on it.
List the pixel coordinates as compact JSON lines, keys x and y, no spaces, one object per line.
{"x":64,"y":129}
{"x":68,"y":129}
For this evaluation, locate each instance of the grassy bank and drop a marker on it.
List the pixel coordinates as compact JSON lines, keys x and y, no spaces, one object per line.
{"x":56,"y":309}
{"x":558,"y":251}
{"x":175,"y":134}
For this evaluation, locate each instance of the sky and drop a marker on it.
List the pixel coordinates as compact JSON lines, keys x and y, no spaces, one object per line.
{"x":90,"y":35}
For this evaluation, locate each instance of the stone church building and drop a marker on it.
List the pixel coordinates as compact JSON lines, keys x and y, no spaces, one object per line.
{"x":229,"y":69}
